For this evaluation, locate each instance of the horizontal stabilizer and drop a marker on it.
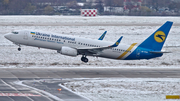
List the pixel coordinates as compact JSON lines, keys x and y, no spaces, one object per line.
{"x":158,"y":52}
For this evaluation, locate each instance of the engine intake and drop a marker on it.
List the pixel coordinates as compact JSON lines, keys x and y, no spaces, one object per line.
{"x":69,"y":51}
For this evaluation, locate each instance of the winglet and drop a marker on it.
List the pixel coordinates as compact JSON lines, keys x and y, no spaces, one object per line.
{"x":117,"y":42}
{"x":102,"y":36}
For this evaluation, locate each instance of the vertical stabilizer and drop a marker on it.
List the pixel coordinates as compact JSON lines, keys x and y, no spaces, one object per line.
{"x":157,"y":39}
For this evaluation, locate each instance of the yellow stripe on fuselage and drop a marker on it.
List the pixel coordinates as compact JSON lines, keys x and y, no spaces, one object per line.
{"x":129,"y":49}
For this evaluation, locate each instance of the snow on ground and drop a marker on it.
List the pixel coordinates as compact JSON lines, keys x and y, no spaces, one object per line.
{"x":66,"y":20}
{"x":134,"y":29}
{"x":126,"y":89}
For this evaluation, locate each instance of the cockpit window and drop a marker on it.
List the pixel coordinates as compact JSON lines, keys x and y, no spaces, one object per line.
{"x":15,"y":32}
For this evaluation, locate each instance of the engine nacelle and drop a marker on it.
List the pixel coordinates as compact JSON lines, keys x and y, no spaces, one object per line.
{"x":69,"y":51}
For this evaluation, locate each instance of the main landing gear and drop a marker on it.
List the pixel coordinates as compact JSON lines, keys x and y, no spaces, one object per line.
{"x":84,"y":59}
{"x":19,"y":49}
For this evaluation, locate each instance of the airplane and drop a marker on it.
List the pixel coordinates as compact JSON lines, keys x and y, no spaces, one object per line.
{"x":74,"y":46}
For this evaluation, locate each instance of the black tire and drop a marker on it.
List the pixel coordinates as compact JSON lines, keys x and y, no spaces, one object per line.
{"x":85,"y":60}
{"x":82,"y":59}
{"x":19,"y":49}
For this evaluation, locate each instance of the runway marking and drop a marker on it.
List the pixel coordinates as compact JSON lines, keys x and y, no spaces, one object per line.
{"x":9,"y":85}
{"x":9,"y":98}
{"x":15,"y":89}
{"x":173,"y":76}
{"x":17,"y":94}
{"x":38,"y":90}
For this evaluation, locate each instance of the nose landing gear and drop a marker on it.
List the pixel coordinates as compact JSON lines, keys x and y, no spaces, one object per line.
{"x":84,"y":59}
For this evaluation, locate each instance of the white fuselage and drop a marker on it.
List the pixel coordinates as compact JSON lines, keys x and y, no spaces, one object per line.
{"x":57,"y":41}
{"x":73,"y":46}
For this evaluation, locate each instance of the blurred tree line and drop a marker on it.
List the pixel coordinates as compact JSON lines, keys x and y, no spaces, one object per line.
{"x":47,"y":7}
{"x":15,"y":7}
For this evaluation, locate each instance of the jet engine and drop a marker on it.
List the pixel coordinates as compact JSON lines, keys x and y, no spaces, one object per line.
{"x":69,"y":51}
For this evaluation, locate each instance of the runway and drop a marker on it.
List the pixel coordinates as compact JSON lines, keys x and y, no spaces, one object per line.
{"x":89,"y":73}
{"x":37,"y":84}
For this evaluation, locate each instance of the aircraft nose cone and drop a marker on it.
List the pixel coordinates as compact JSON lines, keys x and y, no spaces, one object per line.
{"x":7,"y":36}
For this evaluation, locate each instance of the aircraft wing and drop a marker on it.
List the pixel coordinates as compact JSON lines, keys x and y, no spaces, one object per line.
{"x":98,"y":50}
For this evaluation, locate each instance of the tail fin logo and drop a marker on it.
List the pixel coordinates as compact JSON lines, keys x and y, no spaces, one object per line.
{"x":159,"y":36}
{"x":117,"y":43}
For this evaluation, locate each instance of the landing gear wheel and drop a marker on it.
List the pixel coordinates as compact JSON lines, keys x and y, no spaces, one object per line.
{"x":84,"y":59}
{"x":19,"y":49}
